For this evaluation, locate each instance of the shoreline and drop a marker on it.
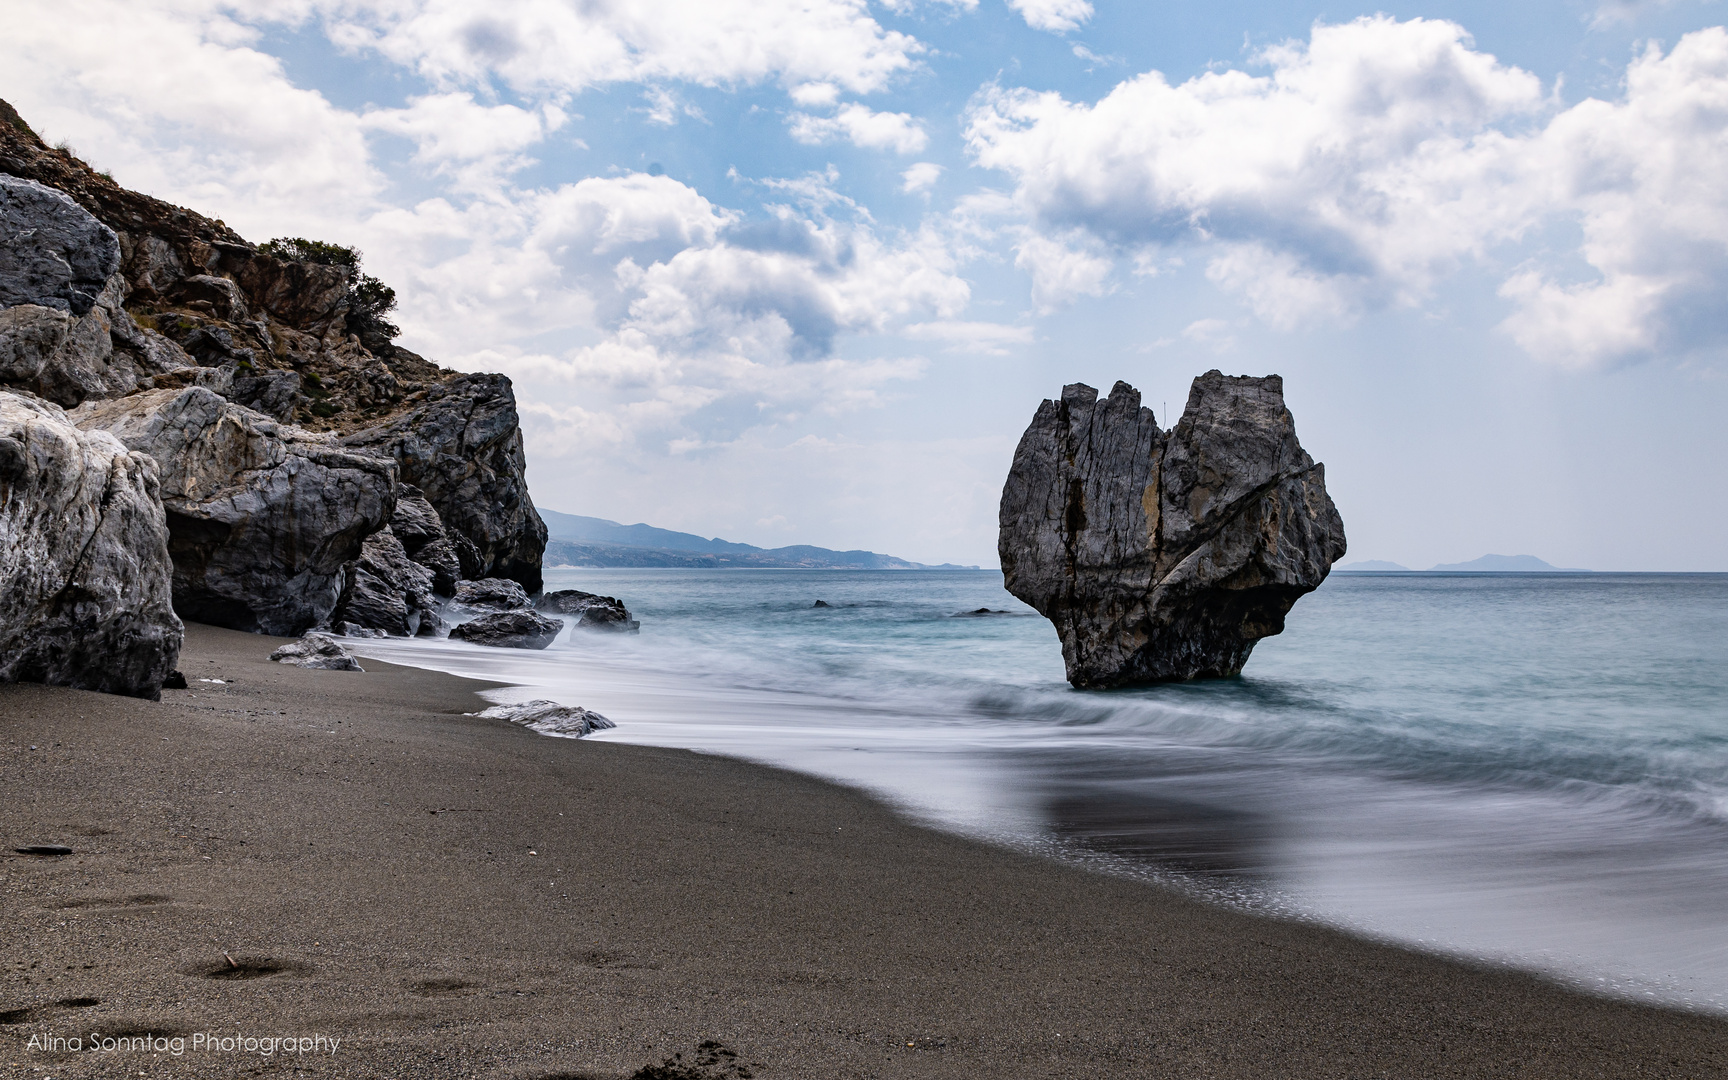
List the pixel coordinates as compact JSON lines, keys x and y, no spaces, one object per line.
{"x":286,"y":818}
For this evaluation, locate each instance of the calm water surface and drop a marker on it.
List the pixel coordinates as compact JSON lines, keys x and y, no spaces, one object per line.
{"x":1528,"y":769}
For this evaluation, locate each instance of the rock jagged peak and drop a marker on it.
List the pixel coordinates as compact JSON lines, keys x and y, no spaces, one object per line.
{"x":1165,"y":555}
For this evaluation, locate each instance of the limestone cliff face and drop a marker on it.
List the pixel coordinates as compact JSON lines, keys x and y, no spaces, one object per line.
{"x":1165,"y":555}
{"x":123,"y":304}
{"x":84,"y":594}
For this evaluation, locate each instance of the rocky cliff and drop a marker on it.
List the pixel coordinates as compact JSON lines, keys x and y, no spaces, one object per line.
{"x":1165,"y":555}
{"x":307,"y":469}
{"x":191,"y":302}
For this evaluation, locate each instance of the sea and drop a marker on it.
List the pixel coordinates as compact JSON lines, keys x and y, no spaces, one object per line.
{"x":1521,"y":770}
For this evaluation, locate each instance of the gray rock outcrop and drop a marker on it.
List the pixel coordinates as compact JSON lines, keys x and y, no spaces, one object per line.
{"x":387,"y":591}
{"x":1160,"y":555}
{"x":53,"y":252}
{"x":318,"y":651}
{"x":509,"y":630}
{"x":596,"y":612}
{"x":84,"y":569}
{"x":63,"y":333}
{"x":551,"y":718}
{"x":417,"y":525}
{"x":263,"y":517}
{"x":491,"y":594}
{"x":463,"y":450}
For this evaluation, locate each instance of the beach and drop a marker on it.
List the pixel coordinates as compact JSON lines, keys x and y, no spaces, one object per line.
{"x":306,"y":855}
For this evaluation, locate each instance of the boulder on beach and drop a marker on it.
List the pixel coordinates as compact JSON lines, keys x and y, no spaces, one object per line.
{"x":606,"y":613}
{"x":551,"y":718}
{"x":84,"y":569}
{"x":316,"y":651}
{"x":1165,"y":555}
{"x":492,"y":594}
{"x":522,"y":629}
{"x":263,"y":517}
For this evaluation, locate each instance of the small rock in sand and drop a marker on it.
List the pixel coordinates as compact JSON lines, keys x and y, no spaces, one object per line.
{"x":316,"y":651}
{"x":551,"y":718}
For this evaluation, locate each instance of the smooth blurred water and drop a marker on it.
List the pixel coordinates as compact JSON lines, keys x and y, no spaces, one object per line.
{"x":1529,"y":769}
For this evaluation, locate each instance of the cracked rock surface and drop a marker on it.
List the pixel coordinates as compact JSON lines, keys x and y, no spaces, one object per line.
{"x":1163,"y":556}
{"x":84,"y":570}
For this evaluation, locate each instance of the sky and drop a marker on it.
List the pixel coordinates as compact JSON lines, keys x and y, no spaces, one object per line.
{"x":800,"y":271}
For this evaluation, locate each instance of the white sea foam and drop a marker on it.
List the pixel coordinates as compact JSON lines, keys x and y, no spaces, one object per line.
{"x":1524,"y":769}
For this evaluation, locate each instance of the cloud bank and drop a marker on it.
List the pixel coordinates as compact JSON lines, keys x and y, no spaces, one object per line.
{"x":1375,"y":159}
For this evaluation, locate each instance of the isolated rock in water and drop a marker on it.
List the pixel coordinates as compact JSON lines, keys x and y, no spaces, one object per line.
{"x":53,"y":252}
{"x":1163,"y":556}
{"x":509,"y":630}
{"x":262,"y":517}
{"x":496,"y":594}
{"x":551,"y":718}
{"x":84,"y":569}
{"x":597,"y":612}
{"x":417,"y":525}
{"x":385,"y":590}
{"x":463,"y":449}
{"x":316,"y":651}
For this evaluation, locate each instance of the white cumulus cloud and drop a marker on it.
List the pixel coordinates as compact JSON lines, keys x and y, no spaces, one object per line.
{"x":862,"y":127}
{"x":1376,"y":158}
{"x":540,"y":45}
{"x":1056,"y":16}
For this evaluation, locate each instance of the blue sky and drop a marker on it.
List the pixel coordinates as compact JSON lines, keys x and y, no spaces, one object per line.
{"x":800,"y":272}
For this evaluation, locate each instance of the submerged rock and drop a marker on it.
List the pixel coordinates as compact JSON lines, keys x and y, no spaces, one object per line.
{"x":84,"y":570}
{"x":263,"y":517}
{"x":551,"y":718}
{"x":1163,"y":556}
{"x":316,"y":651}
{"x":597,"y":612}
{"x":509,"y":630}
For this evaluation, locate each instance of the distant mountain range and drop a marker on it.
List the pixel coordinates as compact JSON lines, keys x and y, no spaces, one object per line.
{"x":1487,"y":564}
{"x":575,"y":540}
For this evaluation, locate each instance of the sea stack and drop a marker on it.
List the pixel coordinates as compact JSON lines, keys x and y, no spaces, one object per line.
{"x":1164,"y":556}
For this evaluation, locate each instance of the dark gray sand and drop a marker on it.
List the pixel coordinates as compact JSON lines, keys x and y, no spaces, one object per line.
{"x":262,"y":857}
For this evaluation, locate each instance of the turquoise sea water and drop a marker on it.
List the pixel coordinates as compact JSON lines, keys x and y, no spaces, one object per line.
{"x":1521,"y":769}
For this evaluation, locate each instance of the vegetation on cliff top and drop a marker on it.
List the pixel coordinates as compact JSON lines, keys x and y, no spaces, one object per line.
{"x":369,"y":300}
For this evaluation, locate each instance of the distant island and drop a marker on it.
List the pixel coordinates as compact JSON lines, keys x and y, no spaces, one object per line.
{"x":1487,"y":564}
{"x":574,"y":540}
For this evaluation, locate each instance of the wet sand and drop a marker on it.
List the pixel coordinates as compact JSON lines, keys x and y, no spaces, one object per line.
{"x":310,"y":853}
